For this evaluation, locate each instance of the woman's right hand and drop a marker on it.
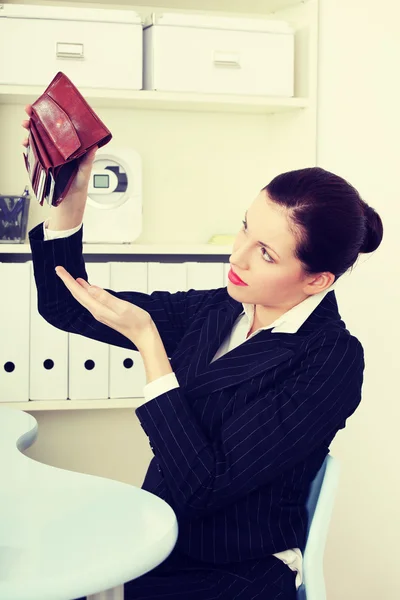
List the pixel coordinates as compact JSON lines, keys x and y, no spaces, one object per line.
{"x":72,"y":207}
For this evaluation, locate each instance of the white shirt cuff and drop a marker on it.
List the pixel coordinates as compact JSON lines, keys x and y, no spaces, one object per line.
{"x":294,"y":560}
{"x":51,"y":234}
{"x":160,"y":386}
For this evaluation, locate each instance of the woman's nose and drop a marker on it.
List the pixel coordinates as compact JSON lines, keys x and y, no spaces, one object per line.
{"x":240,"y":255}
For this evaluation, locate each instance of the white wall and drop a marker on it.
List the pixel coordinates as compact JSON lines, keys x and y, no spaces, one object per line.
{"x":358,"y":138}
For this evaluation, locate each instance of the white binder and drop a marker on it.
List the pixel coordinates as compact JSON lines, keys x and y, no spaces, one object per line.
{"x":127,"y":373}
{"x":205,"y":276}
{"x":167,"y":277}
{"x":14,"y":332}
{"x":48,"y":356}
{"x":88,"y":359}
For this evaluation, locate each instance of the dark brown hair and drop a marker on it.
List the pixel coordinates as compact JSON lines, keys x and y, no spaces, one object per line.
{"x":332,"y":223}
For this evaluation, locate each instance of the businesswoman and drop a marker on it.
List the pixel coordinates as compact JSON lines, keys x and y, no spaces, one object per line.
{"x":247,"y":385}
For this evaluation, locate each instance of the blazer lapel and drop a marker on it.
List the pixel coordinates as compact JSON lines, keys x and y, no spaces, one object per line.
{"x":256,"y":356}
{"x":264,"y":351}
{"x":217,"y":326}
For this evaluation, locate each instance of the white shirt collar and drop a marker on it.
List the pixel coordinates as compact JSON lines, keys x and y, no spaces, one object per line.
{"x":293,"y":319}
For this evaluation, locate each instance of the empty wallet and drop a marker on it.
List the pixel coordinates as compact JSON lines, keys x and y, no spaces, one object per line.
{"x":63,"y":128}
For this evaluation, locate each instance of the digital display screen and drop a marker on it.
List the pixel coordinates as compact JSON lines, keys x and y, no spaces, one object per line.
{"x":101,"y":181}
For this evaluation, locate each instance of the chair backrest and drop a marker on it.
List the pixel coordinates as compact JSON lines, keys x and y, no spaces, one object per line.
{"x":320,"y":503}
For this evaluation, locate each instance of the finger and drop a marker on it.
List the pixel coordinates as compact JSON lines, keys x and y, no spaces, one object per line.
{"x":104,"y":297}
{"x":78,"y":292}
{"x":82,"y":294}
{"x":83,"y":283}
{"x":26,"y":123}
{"x":65,"y":276}
{"x":28,"y":109}
{"x":25,"y":142}
{"x":110,"y":302}
{"x":87,"y":160}
{"x":92,"y":153}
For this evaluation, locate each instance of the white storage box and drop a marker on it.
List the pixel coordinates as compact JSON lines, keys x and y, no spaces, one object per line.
{"x":95,"y":48}
{"x":195,"y":53}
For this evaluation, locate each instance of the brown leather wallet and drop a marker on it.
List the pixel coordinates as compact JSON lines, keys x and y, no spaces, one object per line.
{"x":63,"y":128}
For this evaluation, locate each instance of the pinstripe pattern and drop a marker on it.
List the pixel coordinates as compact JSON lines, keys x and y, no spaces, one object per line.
{"x":238,"y":443}
{"x":180,"y":578}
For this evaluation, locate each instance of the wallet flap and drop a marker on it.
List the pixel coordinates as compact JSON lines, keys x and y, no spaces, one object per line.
{"x":89,"y":128}
{"x":57,"y":125}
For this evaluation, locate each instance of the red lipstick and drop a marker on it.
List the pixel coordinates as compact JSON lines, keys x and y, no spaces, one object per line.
{"x":235,"y":279}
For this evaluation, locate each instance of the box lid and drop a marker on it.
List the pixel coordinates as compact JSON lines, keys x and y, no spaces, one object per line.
{"x":62,"y":13}
{"x":216,"y":22}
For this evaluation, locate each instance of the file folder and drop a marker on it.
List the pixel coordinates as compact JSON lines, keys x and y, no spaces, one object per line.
{"x":48,"y":355}
{"x":205,"y":276}
{"x":14,"y":332}
{"x":167,"y":277}
{"x":88,"y":373}
{"x":127,"y":373}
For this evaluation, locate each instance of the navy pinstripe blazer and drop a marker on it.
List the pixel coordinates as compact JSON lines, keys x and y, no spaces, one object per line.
{"x":238,"y":443}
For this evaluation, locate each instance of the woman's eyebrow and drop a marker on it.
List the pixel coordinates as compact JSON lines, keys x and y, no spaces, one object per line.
{"x":262,"y":243}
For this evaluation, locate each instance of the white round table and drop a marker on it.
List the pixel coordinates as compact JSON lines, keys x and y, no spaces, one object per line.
{"x":65,"y":535}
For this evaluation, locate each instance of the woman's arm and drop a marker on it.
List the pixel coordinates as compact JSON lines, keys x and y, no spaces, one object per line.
{"x":152,"y":351}
{"x":171,"y":313}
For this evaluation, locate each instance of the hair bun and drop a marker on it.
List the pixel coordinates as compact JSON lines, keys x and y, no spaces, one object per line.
{"x":374,"y":230}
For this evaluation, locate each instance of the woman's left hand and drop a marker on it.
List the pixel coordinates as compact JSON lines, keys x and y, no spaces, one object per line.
{"x":128,"y":319}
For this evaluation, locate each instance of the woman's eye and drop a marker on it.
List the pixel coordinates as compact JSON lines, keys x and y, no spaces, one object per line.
{"x":265,"y":255}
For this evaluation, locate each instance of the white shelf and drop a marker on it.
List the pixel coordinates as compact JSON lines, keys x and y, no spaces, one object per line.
{"x":129,"y":249}
{"x":151,"y":100}
{"x":46,"y":405}
{"x":260,"y":7}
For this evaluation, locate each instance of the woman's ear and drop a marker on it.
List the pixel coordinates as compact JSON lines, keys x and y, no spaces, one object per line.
{"x":319,"y":283}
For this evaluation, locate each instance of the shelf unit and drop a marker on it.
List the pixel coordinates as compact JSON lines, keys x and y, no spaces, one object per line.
{"x":245,"y":7}
{"x":51,"y":405}
{"x":205,"y":156}
{"x":134,"y":249}
{"x":152,"y":100}
{"x":229,"y":145}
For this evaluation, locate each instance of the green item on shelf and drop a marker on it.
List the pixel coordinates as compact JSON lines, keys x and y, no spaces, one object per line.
{"x":221,"y":239}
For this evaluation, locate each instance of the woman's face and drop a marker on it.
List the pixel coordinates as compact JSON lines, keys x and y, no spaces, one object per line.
{"x":263,"y":258}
